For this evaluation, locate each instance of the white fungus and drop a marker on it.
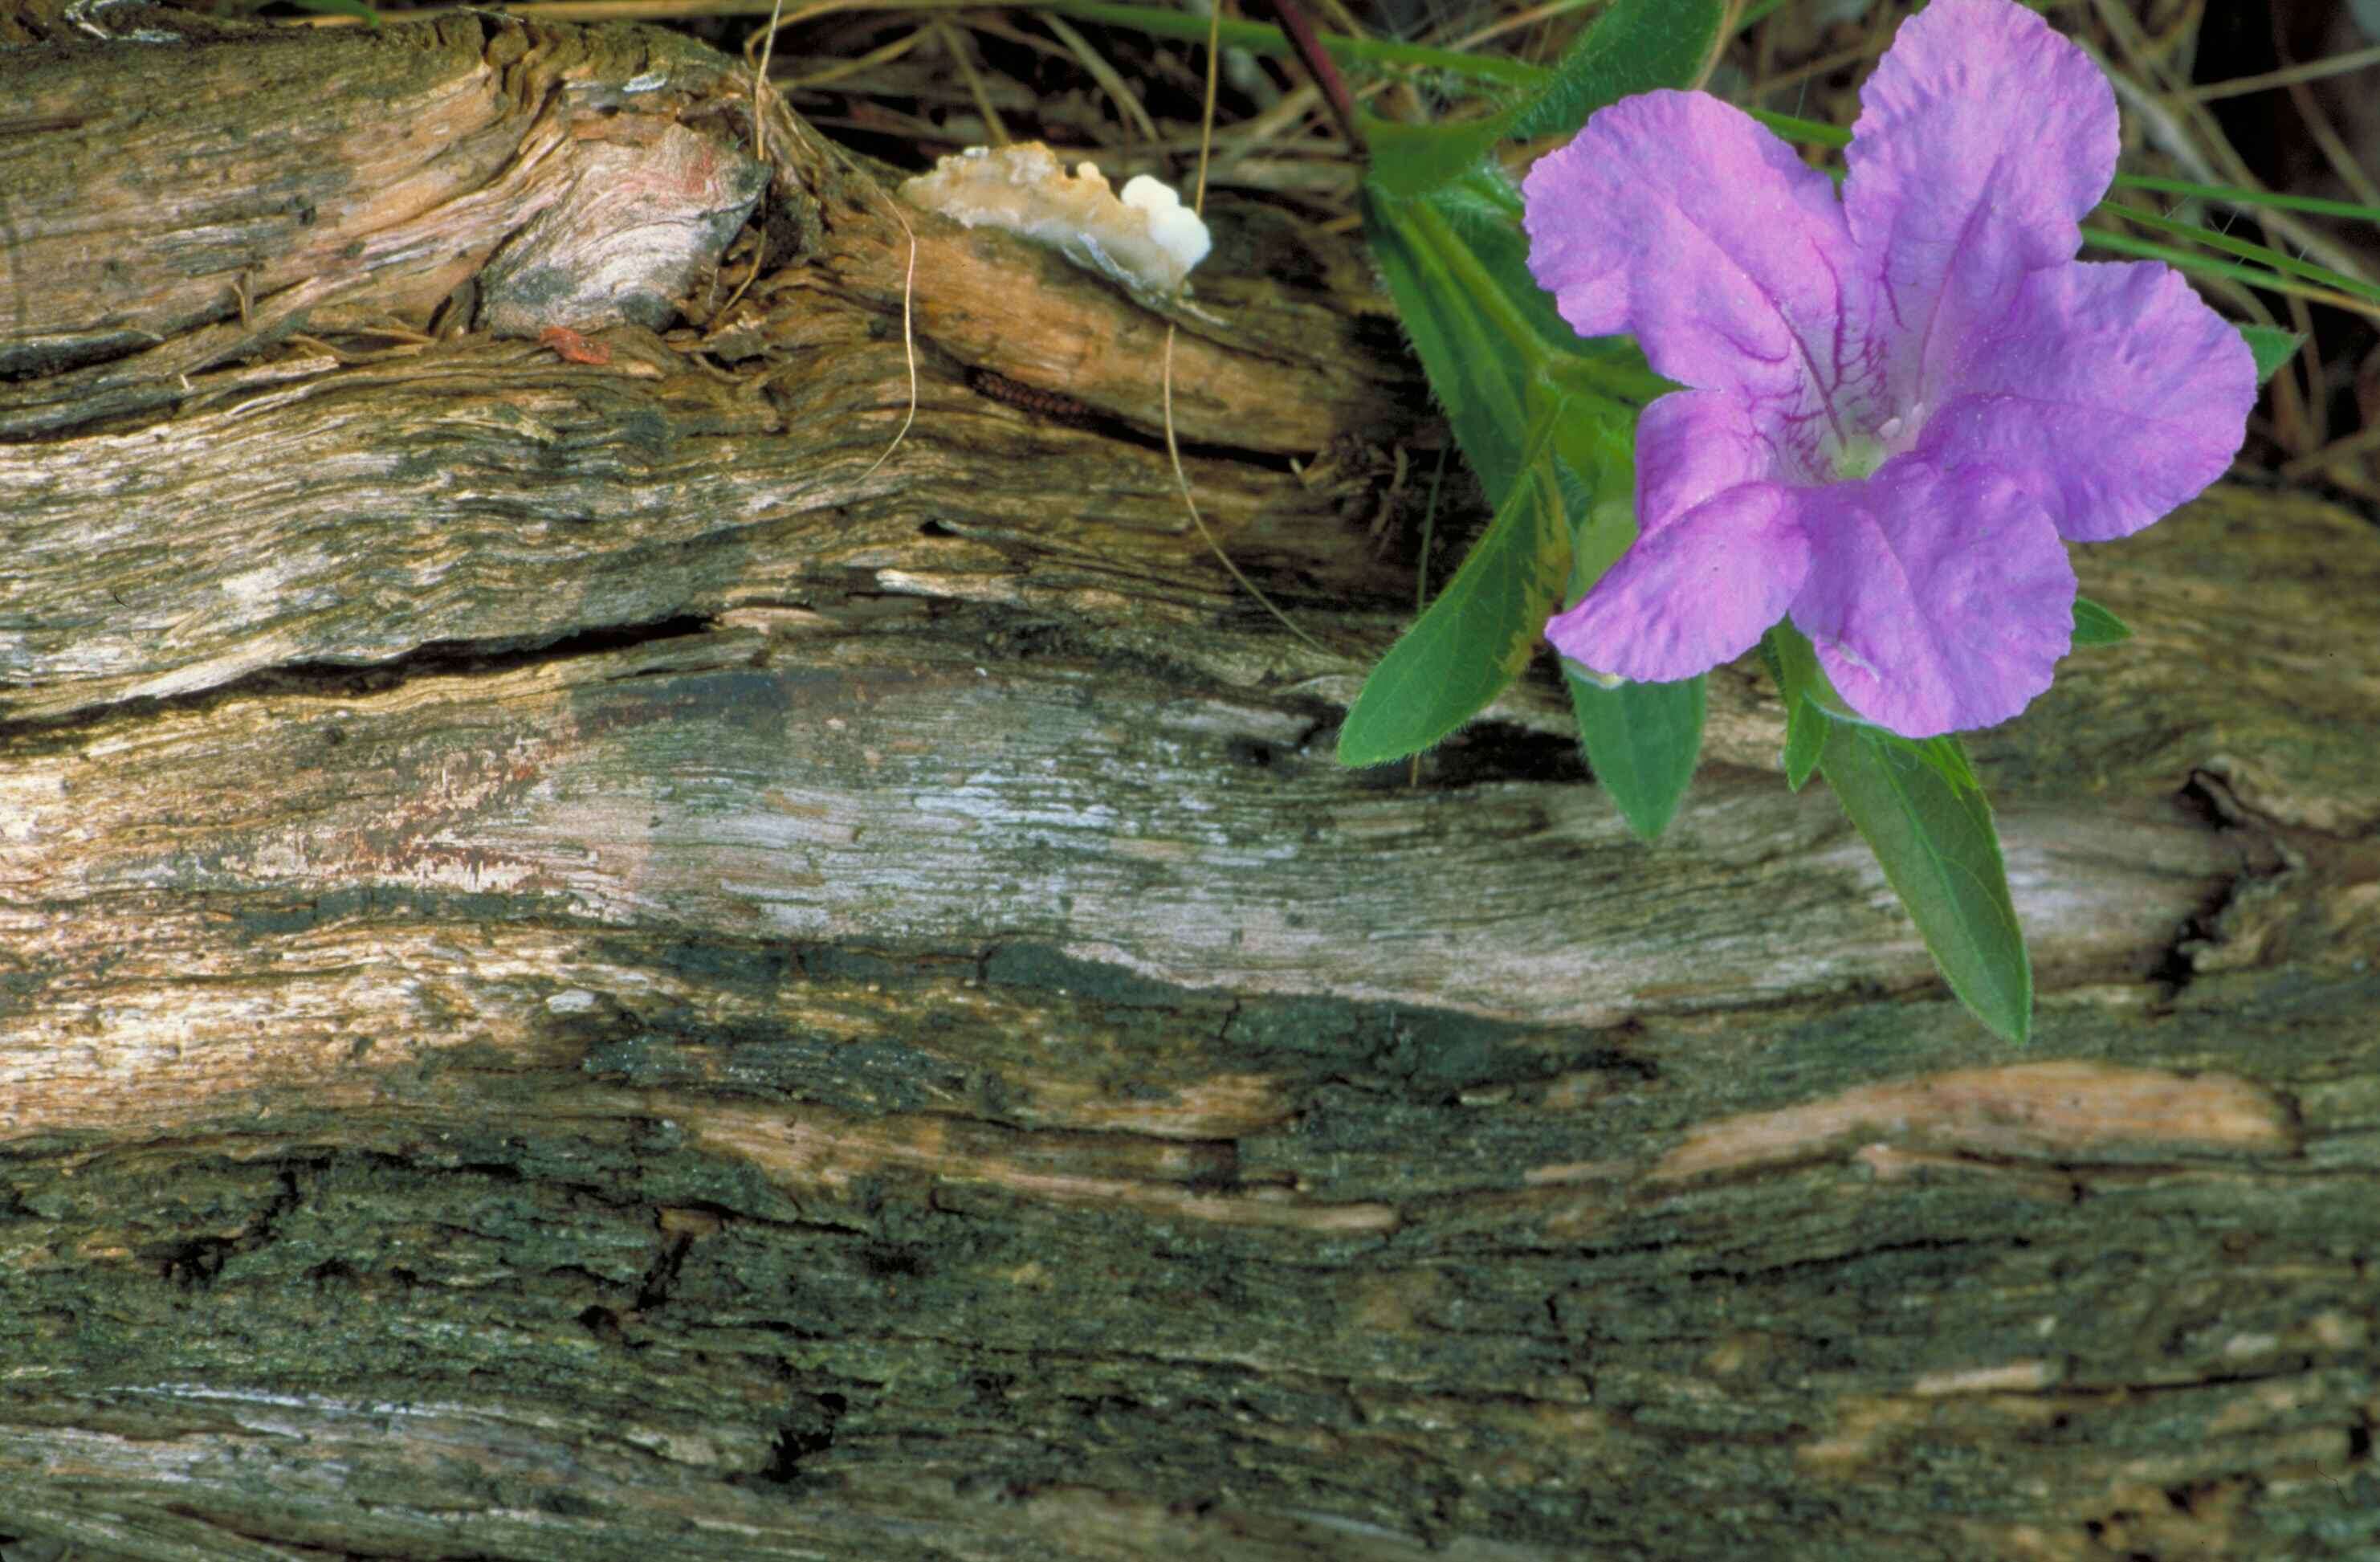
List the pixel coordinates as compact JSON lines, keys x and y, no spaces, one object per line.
{"x":1147,"y":241}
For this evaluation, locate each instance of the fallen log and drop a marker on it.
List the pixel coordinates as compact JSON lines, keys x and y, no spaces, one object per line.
{"x":591,"y":964}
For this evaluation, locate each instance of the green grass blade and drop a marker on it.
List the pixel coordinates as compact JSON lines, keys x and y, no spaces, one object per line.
{"x":2264,"y":255}
{"x":2231,"y":196}
{"x":1258,"y":39}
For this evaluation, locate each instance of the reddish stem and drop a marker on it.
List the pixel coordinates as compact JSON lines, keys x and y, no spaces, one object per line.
{"x":1322,"y":66}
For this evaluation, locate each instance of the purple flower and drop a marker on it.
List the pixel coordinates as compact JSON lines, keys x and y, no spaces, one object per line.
{"x":1898,"y":403}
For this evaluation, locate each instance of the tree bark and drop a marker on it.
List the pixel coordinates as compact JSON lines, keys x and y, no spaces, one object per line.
{"x":599,"y":959}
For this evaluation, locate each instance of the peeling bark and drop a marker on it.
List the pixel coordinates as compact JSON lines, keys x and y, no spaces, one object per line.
{"x":589,"y":965}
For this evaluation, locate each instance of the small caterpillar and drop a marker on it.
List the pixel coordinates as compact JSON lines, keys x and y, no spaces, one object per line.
{"x":1041,"y":403}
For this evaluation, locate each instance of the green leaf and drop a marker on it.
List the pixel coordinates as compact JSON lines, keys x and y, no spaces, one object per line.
{"x":1805,"y":740}
{"x":1944,"y":755}
{"x":1479,"y":633}
{"x":1941,"y":855}
{"x":1601,"y":454}
{"x":1454,"y":263}
{"x":1503,"y":363}
{"x":1481,"y":374}
{"x":2272,"y":347}
{"x":1409,"y":159}
{"x":1641,"y":740}
{"x":1803,"y":684}
{"x":1488,"y":335}
{"x":1635,"y":46}
{"x":1921,"y":810}
{"x":2094,"y":625}
{"x":1803,"y":681}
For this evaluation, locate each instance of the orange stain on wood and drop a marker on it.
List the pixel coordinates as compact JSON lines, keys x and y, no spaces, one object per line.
{"x":820,"y":1150}
{"x":2028,"y":1109}
{"x":572,"y":347}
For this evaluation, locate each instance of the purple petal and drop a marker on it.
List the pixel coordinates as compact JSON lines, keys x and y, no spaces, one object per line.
{"x":1938,"y":599}
{"x":1699,"y":592}
{"x":1675,"y":219}
{"x":2110,"y":391}
{"x":1692,"y":446}
{"x":1983,"y":137}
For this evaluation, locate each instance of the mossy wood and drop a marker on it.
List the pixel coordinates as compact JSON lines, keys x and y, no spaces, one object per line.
{"x":589,"y":971}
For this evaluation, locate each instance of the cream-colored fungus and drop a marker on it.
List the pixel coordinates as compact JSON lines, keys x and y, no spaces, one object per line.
{"x":1148,"y":240}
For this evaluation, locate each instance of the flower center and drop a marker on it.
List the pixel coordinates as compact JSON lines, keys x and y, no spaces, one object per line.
{"x":1860,"y":451}
{"x":1858,"y":456}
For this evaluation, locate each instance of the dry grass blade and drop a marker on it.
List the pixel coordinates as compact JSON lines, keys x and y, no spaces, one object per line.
{"x":963,"y":59}
{"x":1110,"y":81}
{"x":844,"y":69}
{"x":1172,"y":445}
{"x":2311,"y":70}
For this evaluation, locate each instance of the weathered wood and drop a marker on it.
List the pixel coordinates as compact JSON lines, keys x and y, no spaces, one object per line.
{"x":588,"y":969}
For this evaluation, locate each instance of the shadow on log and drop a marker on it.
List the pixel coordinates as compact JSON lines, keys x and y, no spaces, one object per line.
{"x":589,"y":967}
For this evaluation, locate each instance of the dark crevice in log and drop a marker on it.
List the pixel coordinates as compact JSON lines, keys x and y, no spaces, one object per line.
{"x":2177,"y":966}
{"x":2205,"y":797}
{"x":806,"y":1434}
{"x":324,"y":680}
{"x":2238,"y":908}
{"x":1492,"y":754}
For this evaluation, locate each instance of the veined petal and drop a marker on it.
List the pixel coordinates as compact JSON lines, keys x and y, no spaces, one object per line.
{"x":1692,"y":446}
{"x":1938,"y":599}
{"x":2110,"y":391}
{"x":1699,"y":592}
{"x":1983,"y":137}
{"x":1752,"y":266}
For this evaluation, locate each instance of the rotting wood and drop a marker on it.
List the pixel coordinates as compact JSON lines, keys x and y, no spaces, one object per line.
{"x":583,"y":975}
